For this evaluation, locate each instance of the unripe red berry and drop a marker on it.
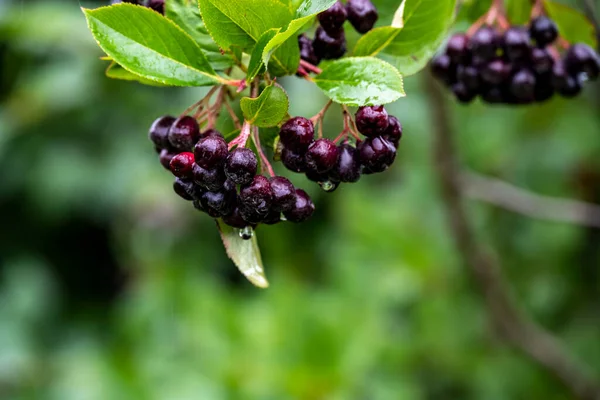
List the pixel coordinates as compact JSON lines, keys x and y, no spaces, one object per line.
{"x":182,"y":165}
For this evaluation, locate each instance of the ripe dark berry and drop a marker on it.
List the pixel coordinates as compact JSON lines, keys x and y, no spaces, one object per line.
{"x":543,"y":30}
{"x":347,"y":168}
{"x":516,"y":43}
{"x":314,"y":176}
{"x":210,"y":152}
{"x":303,"y":208}
{"x":458,"y":48}
{"x":284,"y":194}
{"x":377,"y":154}
{"x":362,"y":14}
{"x":294,"y":161}
{"x":156,"y":5}
{"x":565,"y":84}
{"x":165,"y":158}
{"x":235,"y":219}
{"x":543,"y":87}
{"x":333,"y":18}
{"x":297,"y":133}
{"x":184,"y":133}
{"x":484,"y":43}
{"x":241,"y":166}
{"x":159,"y":131}
{"x":272,"y":218}
{"x":443,"y":69}
{"x":219,"y":203}
{"x":522,"y":85}
{"x":463,"y":93}
{"x":495,"y":72}
{"x":211,"y":132}
{"x":582,"y":58}
{"x":182,"y":165}
{"x":492,"y":94}
{"x":257,"y":197}
{"x":393,"y":133}
{"x":541,"y":60}
{"x":184,"y":188}
{"x":371,"y":120}
{"x":307,"y":52}
{"x":329,"y":47}
{"x":321,"y":156}
{"x":468,"y":76}
{"x":210,"y":179}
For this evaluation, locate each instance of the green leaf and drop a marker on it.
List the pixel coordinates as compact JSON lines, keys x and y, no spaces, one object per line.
{"x":312,"y":7}
{"x":115,"y":71}
{"x":285,"y":59}
{"x":256,"y":64}
{"x":573,"y":25}
{"x":242,"y":22}
{"x":149,"y":45}
{"x":359,"y":81}
{"x":282,"y":37}
{"x":268,"y":109}
{"x":244,"y":253}
{"x":186,"y":15}
{"x":426,"y":23}
{"x":518,"y":11}
{"x":375,"y":41}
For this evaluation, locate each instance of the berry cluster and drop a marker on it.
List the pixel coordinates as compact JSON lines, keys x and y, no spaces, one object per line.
{"x":517,"y":66}
{"x":156,"y":5}
{"x":329,"y":164}
{"x":330,"y":40}
{"x":221,"y":182}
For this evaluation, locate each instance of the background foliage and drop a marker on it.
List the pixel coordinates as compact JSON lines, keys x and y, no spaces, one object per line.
{"x":112,"y":288}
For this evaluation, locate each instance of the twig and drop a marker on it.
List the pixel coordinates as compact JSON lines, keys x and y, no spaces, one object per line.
{"x":264,"y":160}
{"x":508,"y":319}
{"x":234,"y":117}
{"x":241,"y":140}
{"x":309,"y":67}
{"x":505,"y":195}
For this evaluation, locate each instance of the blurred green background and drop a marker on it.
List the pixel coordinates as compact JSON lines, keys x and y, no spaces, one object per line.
{"x":111,"y":287}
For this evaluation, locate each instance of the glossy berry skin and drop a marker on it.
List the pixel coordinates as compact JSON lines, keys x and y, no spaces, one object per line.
{"x":156,"y":5}
{"x":184,"y":133}
{"x":516,"y":43}
{"x":333,"y":18}
{"x":541,"y":60}
{"x":307,"y":52}
{"x":362,"y":14}
{"x":329,"y":47}
{"x":468,"y":76}
{"x":463,"y":93}
{"x":393,"y":132}
{"x":582,"y":58}
{"x":377,"y":154}
{"x":543,"y":30}
{"x":443,"y":69}
{"x":564,"y":83}
{"x":210,"y":179}
{"x":182,"y":165}
{"x":484,"y":43}
{"x":458,"y":48}
{"x":184,"y":188}
{"x":371,"y":120}
{"x":256,"y":198}
{"x":321,"y":156}
{"x":297,"y":133}
{"x":492,"y":95}
{"x":235,"y":219}
{"x":211,"y":152}
{"x":211,"y":132}
{"x":159,"y":131}
{"x":292,"y":160}
{"x":284,"y":194}
{"x":496,"y":72}
{"x":347,"y":167}
{"x":522,"y":85}
{"x":303,"y":208}
{"x":218,"y":203}
{"x":165,"y":158}
{"x":241,"y":166}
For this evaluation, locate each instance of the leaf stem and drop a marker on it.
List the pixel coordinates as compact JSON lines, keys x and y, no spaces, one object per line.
{"x":264,"y":160}
{"x":241,"y":140}
{"x":310,"y":67}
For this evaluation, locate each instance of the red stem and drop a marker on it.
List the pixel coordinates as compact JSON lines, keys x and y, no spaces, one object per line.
{"x":309,"y":67}
{"x":264,"y":161}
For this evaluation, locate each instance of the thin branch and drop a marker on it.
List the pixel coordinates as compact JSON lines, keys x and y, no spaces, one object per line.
{"x":508,"y":319}
{"x":507,"y":196}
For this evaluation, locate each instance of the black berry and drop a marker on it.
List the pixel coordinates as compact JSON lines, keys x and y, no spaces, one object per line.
{"x":297,"y":133}
{"x":294,"y":161}
{"x":393,"y":133}
{"x":541,"y":60}
{"x":272,"y":218}
{"x":329,"y":47}
{"x":182,"y":165}
{"x":516,"y":43}
{"x":184,"y":188}
{"x":458,"y":48}
{"x":284,"y":194}
{"x":321,"y":156}
{"x":218,"y":203}
{"x":362,"y":14}
{"x":469,"y":76}
{"x":159,"y":131}
{"x":371,"y":120}
{"x":463,"y":93}
{"x":522,"y":85}
{"x":443,"y":69}
{"x":165,"y":158}
{"x":156,"y":5}
{"x":484,"y":43}
{"x":303,"y":208}
{"x":256,"y":198}
{"x":333,"y":18}
{"x":210,"y":179}
{"x":495,"y":72}
{"x":184,"y":133}
{"x":377,"y":154}
{"x":307,"y":52}
{"x":543,"y":30}
{"x":235,"y":219}
{"x":241,"y":166}
{"x":210,"y":152}
{"x":347,"y":168}
{"x":581,"y":58}
{"x":211,"y":132}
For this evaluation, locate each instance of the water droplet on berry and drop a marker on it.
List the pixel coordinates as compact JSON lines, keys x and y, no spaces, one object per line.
{"x":328,"y":186}
{"x":247,"y":233}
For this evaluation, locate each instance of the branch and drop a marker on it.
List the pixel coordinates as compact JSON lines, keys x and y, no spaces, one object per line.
{"x":507,"y":318}
{"x":505,"y":195}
